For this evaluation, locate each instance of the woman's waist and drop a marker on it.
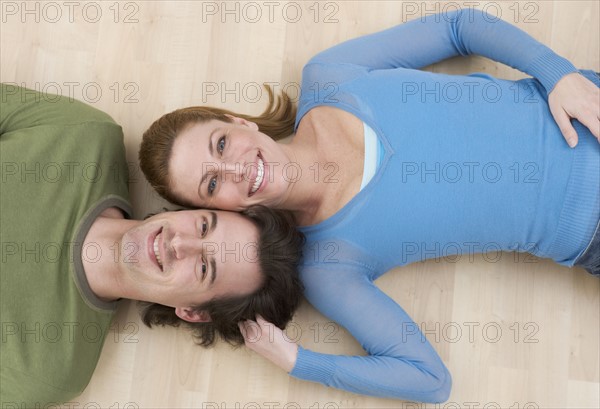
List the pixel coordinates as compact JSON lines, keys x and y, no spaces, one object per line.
{"x":416,"y":210}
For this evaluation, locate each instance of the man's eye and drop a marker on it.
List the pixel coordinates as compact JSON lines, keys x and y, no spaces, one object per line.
{"x":204,"y":228}
{"x":203,"y":268}
{"x":212,"y":185}
{"x":221,"y":145}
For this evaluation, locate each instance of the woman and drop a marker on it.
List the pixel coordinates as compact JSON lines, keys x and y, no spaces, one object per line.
{"x":390,"y":165}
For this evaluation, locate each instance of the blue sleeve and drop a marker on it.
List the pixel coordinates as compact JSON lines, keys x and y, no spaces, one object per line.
{"x":400,"y":362}
{"x":424,"y":41}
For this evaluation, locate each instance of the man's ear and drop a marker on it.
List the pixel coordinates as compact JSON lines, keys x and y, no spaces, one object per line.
{"x":242,"y":121}
{"x":190,"y":315}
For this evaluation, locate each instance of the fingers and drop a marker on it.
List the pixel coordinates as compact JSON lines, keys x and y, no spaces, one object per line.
{"x":261,"y":321}
{"x":270,"y":342}
{"x":566,"y":128}
{"x":589,"y":115}
{"x":242,"y":327}
{"x":592,"y":123}
{"x":251,"y":331}
{"x":588,"y":118}
{"x":574,"y":96}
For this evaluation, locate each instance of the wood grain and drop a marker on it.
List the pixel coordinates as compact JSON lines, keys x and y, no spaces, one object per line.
{"x":516,"y":332}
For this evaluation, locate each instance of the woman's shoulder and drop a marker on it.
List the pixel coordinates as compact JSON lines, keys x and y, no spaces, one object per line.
{"x":320,"y":75}
{"x":327,"y":114}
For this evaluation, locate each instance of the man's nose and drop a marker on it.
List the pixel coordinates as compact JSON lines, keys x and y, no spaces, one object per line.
{"x":185,"y":245}
{"x":190,"y":245}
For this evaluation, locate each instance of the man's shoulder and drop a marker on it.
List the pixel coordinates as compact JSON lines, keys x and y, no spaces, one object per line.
{"x":27,"y":108}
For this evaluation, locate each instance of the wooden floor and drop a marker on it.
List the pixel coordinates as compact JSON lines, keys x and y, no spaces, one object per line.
{"x":517,"y":333}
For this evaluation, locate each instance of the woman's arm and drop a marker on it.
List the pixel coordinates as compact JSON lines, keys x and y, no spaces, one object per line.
{"x":428,"y":40}
{"x":424,"y":41}
{"x":400,"y":363}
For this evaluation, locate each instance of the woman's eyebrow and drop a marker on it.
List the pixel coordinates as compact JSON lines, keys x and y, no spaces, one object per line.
{"x":202,"y":179}
{"x":206,"y":174}
{"x":210,"y":145}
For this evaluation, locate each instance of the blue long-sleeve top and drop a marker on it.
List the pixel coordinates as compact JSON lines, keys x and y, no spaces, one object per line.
{"x":472,"y":164}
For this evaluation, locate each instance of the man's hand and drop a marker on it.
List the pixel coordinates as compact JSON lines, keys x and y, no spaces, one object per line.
{"x":270,"y":342}
{"x":574,"y":96}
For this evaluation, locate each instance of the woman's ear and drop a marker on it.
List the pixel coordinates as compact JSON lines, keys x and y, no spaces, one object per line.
{"x":191,"y":315}
{"x":244,"y":122}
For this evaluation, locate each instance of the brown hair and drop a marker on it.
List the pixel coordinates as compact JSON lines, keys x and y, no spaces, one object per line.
{"x":276,"y":121}
{"x":279,"y":251}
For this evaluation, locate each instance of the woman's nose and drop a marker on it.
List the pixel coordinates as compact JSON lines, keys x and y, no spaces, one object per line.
{"x":232,"y":171}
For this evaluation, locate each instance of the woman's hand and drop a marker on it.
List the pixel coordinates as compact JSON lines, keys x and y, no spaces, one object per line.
{"x":574,"y":96}
{"x":270,"y":342}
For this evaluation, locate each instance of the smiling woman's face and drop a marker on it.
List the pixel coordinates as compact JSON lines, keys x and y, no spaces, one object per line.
{"x":186,"y":258}
{"x":228,"y":166}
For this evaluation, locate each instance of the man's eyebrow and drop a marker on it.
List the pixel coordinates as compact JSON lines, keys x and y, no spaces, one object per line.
{"x":213,"y":269}
{"x":206,"y":174}
{"x":213,"y":264}
{"x":213,"y":222}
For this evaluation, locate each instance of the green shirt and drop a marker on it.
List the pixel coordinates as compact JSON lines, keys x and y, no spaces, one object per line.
{"x":62,"y":163}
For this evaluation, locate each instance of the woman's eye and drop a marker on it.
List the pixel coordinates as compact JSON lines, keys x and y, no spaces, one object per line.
{"x":221,"y":145}
{"x":203,"y":268}
{"x":212,"y":185}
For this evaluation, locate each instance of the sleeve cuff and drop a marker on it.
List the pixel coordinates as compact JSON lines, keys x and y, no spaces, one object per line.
{"x":549,"y":68}
{"x":313,"y":366}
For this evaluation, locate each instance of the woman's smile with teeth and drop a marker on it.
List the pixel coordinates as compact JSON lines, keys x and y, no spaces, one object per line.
{"x":259,"y":176}
{"x":157,"y":250}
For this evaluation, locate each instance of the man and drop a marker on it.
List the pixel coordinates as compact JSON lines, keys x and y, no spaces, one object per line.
{"x":70,"y":251}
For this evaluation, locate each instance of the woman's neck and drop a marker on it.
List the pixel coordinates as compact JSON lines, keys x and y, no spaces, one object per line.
{"x":307,"y":192}
{"x":329,"y":151}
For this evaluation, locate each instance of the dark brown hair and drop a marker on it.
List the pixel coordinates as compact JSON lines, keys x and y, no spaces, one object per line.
{"x":276,"y":121}
{"x":279,"y":251}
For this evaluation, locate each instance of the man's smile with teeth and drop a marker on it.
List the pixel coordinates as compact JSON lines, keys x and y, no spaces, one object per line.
{"x":157,"y":249}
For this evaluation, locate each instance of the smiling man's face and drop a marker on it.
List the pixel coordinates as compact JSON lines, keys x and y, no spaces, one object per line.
{"x":181,"y":259}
